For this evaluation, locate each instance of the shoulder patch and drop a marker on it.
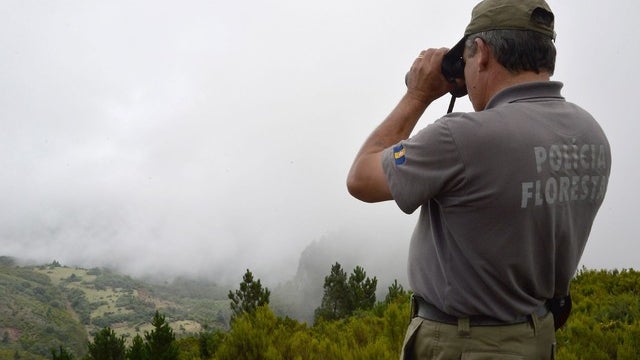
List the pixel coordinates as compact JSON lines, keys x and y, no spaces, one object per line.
{"x":398,"y":154}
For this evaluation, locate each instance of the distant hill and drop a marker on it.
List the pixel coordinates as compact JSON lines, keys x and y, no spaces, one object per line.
{"x":43,"y":307}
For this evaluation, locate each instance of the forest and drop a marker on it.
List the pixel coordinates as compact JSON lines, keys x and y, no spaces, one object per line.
{"x":351,"y":323}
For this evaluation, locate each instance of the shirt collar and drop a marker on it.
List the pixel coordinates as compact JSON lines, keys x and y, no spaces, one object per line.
{"x":527,"y":92}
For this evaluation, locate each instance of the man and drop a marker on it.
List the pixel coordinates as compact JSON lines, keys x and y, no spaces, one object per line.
{"x":507,"y":194}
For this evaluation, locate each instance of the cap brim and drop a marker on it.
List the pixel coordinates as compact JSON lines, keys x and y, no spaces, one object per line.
{"x":457,"y":50}
{"x":453,"y":68}
{"x":451,"y":64}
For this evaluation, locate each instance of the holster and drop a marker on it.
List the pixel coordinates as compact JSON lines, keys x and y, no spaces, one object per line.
{"x":560,"y":307}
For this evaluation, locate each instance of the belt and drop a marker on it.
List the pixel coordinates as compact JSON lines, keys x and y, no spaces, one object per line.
{"x":428,"y":311}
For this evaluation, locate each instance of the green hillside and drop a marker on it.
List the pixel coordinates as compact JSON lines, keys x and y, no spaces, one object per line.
{"x":44,"y":307}
{"x":34,"y":314}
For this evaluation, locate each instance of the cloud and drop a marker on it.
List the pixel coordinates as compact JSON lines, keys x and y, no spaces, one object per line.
{"x":210,"y":137}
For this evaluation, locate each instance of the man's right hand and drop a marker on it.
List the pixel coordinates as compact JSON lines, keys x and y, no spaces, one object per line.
{"x":424,"y":80}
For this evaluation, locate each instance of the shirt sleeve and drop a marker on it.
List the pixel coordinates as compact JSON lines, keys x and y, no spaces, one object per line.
{"x":423,"y":167}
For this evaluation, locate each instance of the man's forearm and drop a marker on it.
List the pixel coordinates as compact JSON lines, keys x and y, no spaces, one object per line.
{"x":397,"y":126}
{"x":366,"y":178}
{"x":425,"y":83}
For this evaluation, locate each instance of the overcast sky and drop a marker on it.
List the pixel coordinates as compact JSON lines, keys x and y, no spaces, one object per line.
{"x":207,"y":137}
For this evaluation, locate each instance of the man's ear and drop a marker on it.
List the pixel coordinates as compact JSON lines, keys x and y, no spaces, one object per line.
{"x":483,"y":52}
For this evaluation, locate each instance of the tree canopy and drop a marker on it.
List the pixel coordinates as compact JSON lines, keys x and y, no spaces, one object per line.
{"x":249,"y":296}
{"x":160,"y":342}
{"x":342,"y":297}
{"x":107,"y":346}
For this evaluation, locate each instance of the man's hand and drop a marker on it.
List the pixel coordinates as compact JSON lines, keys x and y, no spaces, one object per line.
{"x":425,"y":83}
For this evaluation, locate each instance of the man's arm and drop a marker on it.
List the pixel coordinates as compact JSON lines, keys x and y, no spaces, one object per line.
{"x":366,"y":180}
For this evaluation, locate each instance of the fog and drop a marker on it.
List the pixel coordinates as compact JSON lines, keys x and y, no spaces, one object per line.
{"x":202,"y":138}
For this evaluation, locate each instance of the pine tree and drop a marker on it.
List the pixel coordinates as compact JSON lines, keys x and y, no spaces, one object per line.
{"x":106,"y":346}
{"x":362,"y":290}
{"x":161,"y":341}
{"x":137,"y":349}
{"x":341,"y":297}
{"x":336,"y":295}
{"x":396,"y":291}
{"x":62,"y":354}
{"x":249,"y":297}
{"x":208,"y":343}
{"x":203,"y":345}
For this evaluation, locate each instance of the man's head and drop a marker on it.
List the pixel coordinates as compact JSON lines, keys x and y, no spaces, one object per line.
{"x":518,"y":34}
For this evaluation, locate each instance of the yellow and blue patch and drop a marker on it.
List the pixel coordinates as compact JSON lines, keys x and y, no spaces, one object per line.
{"x":398,"y":154}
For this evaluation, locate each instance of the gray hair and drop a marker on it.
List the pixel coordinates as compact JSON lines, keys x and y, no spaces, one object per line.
{"x":517,"y":50}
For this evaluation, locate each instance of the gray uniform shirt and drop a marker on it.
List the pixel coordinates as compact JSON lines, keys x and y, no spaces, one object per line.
{"x":507,"y":197}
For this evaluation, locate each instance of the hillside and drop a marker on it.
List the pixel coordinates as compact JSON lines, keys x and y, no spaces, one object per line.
{"x":42,"y":307}
{"x":34,"y":314}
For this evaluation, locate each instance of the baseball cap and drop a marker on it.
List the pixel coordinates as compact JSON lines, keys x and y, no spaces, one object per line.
{"x":505,"y":15}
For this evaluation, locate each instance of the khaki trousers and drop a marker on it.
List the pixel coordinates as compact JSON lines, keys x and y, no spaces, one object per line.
{"x":426,"y":339}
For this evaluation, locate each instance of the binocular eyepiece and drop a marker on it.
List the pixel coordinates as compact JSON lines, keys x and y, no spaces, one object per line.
{"x":452,"y":69}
